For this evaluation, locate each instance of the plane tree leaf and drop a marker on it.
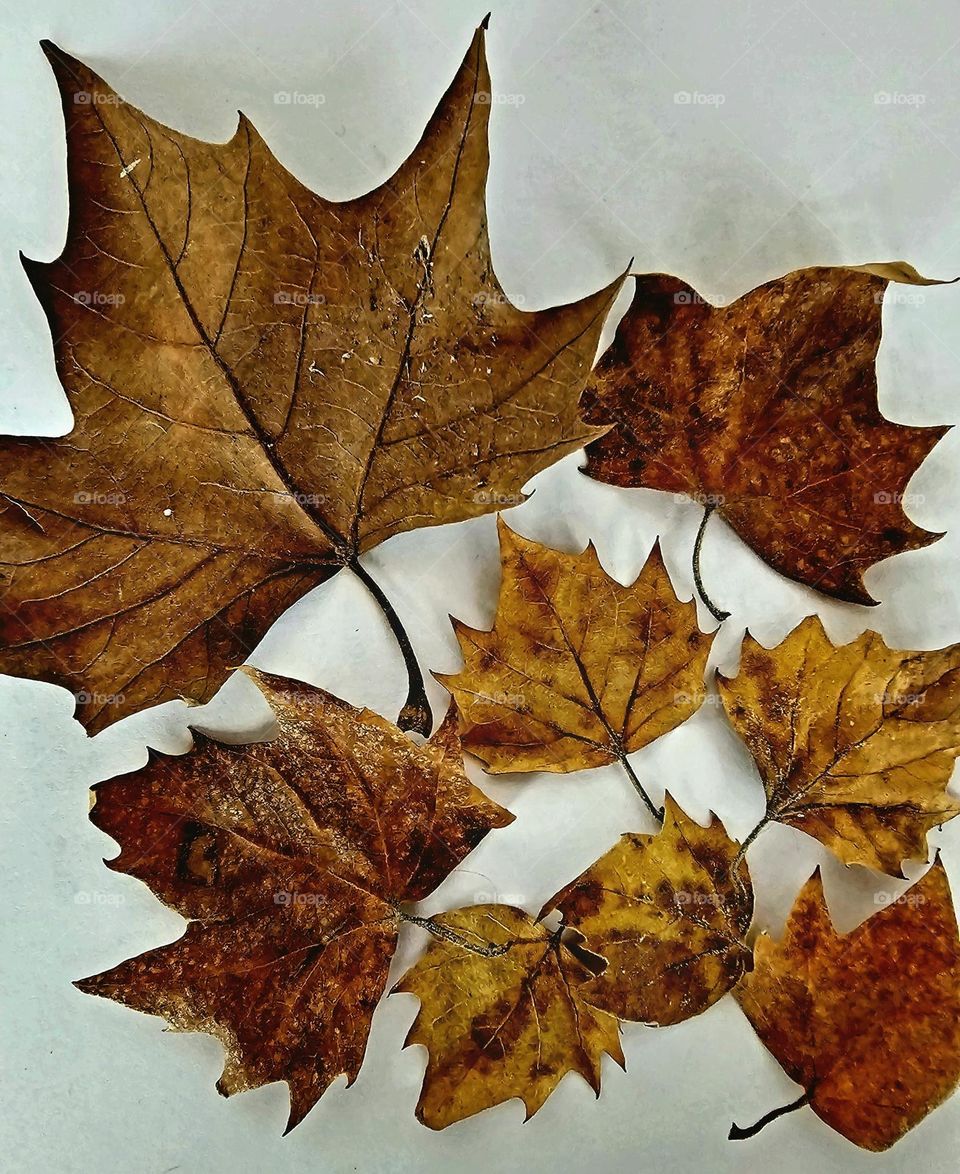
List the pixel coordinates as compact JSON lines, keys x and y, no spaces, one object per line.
{"x":855,"y":744}
{"x":578,"y":670}
{"x":868,"y":1022}
{"x":264,"y":384}
{"x":292,"y":861}
{"x":506,"y":1024}
{"x":766,"y":411}
{"x":669,"y":914}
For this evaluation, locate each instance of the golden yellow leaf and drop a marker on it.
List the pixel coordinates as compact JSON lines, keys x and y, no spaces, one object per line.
{"x":867,"y":1022}
{"x":577,"y":671}
{"x":669,"y":913}
{"x":855,"y":744}
{"x":506,"y":1025}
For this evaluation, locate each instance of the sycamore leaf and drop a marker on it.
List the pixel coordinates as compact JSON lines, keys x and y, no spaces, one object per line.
{"x":766,"y":410}
{"x":501,"y":1026}
{"x":291,"y":859}
{"x":264,"y":384}
{"x":669,"y":914}
{"x":855,"y":744}
{"x":578,"y":671}
{"x":867,"y":1022}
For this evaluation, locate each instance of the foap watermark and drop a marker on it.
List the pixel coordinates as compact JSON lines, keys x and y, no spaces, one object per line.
{"x":287,"y":897}
{"x":892,"y":296}
{"x":494,"y":497}
{"x":891,"y":699}
{"x":85,"y":697}
{"x":697,"y":98}
{"x":486,"y":98}
{"x":298,"y":297}
{"x":497,"y":299}
{"x":898,"y":98}
{"x":298,"y":98}
{"x":97,"y":897}
{"x":908,"y":898}
{"x":713,"y":500}
{"x":691,"y":897}
{"x":885,"y":497}
{"x":95,"y":98}
{"x":98,"y":297}
{"x":95,"y":497}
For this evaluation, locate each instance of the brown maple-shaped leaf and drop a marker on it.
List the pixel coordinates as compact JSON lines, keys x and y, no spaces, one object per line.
{"x":855,"y":744}
{"x":669,"y":914}
{"x":867,"y":1022}
{"x":292,"y":860}
{"x":503,"y":1024}
{"x":264,"y":384}
{"x":577,"y":671}
{"x":766,"y":411}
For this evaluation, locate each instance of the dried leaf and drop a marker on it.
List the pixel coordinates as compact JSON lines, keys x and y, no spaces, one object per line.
{"x":855,"y":745}
{"x":264,"y":384}
{"x":505,"y":1026}
{"x":767,"y":410}
{"x":867,"y":1022}
{"x":669,"y":914}
{"x":291,"y":859}
{"x":577,"y":671}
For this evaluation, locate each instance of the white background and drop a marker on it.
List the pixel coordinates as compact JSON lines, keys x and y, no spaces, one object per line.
{"x":593,"y":161}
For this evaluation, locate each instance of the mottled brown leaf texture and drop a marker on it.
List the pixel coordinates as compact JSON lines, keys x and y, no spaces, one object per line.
{"x":291,"y":860}
{"x":577,"y":670}
{"x":767,"y":409}
{"x":669,"y":914}
{"x":867,"y":1022}
{"x":505,"y":1026}
{"x":855,"y":744}
{"x":264,"y":384}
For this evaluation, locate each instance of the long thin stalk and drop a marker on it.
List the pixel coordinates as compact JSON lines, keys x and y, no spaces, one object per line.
{"x":718,"y":614}
{"x":448,"y":935}
{"x":416,"y":714}
{"x":656,"y":812}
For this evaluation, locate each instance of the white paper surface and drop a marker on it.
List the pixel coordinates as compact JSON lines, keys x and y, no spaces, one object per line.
{"x":811,"y":133}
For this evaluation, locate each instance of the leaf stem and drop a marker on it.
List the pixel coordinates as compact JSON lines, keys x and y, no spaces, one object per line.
{"x":448,"y":935}
{"x":656,"y":812}
{"x":416,"y":714}
{"x":738,"y":1134}
{"x":742,"y":851}
{"x":715,"y":611}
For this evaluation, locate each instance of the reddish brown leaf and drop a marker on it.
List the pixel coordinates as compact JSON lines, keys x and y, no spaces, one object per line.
{"x":292,"y":860}
{"x":767,"y":410}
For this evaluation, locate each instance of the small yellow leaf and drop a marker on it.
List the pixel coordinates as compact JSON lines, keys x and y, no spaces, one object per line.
{"x":502,"y":1026}
{"x":669,"y":913}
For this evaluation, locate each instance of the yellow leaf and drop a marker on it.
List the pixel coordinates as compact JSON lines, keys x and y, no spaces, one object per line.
{"x":578,"y":671}
{"x":502,"y":1026}
{"x":668,"y":913}
{"x":855,"y":744}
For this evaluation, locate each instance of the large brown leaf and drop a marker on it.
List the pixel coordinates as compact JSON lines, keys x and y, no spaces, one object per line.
{"x":578,"y":671}
{"x":264,"y":384}
{"x":292,"y":860}
{"x":669,"y":914}
{"x":766,"y":409}
{"x":855,"y":744}
{"x":510,"y":1024}
{"x":867,"y":1022}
